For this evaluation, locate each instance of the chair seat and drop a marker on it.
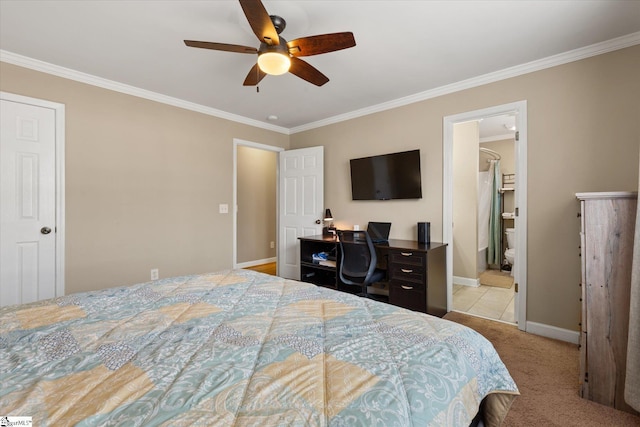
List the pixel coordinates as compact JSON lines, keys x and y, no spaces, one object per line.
{"x":378,"y":275}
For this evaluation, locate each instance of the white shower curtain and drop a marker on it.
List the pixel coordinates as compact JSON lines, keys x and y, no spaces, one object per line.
{"x":485,"y":184}
{"x":494,"y":256}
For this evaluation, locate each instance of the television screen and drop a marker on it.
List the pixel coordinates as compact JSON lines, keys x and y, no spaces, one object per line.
{"x":387,"y":177}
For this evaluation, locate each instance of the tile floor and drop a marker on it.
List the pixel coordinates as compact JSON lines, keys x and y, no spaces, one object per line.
{"x":486,"y":301}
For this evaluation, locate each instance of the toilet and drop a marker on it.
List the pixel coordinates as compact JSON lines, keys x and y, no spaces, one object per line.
{"x":510,"y":253}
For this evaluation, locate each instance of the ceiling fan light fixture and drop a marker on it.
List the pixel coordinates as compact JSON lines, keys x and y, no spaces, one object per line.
{"x":274,"y":63}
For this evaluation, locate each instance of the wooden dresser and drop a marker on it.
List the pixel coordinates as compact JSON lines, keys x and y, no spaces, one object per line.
{"x":607,"y":231}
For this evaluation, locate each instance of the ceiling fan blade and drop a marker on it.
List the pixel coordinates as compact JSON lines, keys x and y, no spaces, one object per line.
{"x":323,"y":43}
{"x":307,"y":72}
{"x":260,"y":21}
{"x":221,"y":46}
{"x":254,"y":76}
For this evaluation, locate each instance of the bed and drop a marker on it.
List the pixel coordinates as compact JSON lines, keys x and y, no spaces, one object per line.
{"x":240,"y":348}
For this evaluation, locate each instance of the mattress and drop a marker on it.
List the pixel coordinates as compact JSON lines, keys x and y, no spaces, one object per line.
{"x":240,"y":348}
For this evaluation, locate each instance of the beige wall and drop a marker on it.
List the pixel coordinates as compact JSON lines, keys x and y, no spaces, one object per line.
{"x":505,"y":148}
{"x":256,"y":203}
{"x":584,"y":135}
{"x":465,"y":200}
{"x":143,"y":182}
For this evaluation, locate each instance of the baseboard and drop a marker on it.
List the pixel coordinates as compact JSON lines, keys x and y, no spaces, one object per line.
{"x":256,"y":262}
{"x":466,"y":281}
{"x":553,"y":332}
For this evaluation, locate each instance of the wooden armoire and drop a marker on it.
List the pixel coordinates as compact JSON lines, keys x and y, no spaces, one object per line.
{"x":607,"y":233}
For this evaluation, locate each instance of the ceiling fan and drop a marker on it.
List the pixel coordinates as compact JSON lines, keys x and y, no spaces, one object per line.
{"x":276,"y":55}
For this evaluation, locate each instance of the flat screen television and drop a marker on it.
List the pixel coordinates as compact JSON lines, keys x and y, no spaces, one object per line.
{"x":387,"y":177}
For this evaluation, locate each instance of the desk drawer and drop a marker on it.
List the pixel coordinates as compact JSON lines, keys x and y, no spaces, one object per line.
{"x":407,"y":266}
{"x":407,"y":257}
{"x":412,"y":299}
{"x":408,"y":273}
{"x":407,"y":285}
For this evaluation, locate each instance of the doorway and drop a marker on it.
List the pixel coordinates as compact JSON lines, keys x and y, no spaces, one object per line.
{"x":255,"y":205}
{"x":451,"y":144}
{"x":32,"y":207}
{"x":299,"y":196}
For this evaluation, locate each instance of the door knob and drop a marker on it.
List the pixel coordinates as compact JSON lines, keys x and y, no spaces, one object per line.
{"x":45,"y":230}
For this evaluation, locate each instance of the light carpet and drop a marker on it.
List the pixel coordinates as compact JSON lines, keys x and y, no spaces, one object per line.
{"x":547,"y":374}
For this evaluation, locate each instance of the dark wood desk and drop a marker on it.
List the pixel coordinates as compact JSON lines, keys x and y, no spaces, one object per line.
{"x":416,"y":272}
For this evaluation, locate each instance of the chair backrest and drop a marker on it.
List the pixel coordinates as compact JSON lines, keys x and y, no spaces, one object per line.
{"x":358,"y":256}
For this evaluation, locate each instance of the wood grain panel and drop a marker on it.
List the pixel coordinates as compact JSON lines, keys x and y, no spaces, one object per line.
{"x":607,"y":252}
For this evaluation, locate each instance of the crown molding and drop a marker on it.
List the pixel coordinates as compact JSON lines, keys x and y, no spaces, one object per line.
{"x":503,"y":137}
{"x":529,"y":67}
{"x":67,"y":73}
{"x":551,"y":61}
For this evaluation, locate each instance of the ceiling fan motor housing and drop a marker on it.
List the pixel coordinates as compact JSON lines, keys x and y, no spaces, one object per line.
{"x":279,"y":23}
{"x":278,"y":48}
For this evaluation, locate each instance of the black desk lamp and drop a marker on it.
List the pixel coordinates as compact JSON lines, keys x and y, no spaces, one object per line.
{"x":330,"y":230}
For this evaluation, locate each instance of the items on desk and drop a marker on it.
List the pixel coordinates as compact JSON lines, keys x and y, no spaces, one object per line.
{"x":424,"y":232}
{"x":328,"y":218}
{"x":379,"y":231}
{"x":329,"y":231}
{"x":322,"y":258}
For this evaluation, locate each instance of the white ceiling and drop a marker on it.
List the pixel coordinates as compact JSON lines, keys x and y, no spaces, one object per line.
{"x":495,"y":128}
{"x":404,"y":48}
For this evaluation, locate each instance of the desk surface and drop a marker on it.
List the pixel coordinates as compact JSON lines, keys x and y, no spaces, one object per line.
{"x":391,"y":244}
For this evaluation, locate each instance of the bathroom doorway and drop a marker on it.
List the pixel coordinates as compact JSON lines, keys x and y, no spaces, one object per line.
{"x":487,"y":146}
{"x":483,"y":285}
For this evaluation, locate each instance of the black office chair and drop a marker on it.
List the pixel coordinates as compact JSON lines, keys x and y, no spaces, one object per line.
{"x":358,"y":260}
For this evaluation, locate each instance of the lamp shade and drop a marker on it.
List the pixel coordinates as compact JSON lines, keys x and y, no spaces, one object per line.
{"x":328,"y":216}
{"x":274,"y":63}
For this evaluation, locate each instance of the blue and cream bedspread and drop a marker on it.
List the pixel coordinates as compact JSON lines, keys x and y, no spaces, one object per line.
{"x":239,"y":348}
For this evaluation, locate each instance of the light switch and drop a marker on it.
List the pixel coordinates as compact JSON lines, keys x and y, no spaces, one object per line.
{"x":224,"y":208}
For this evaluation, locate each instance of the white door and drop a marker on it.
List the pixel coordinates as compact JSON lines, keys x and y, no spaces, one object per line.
{"x":301,"y":189}
{"x":27,"y":203}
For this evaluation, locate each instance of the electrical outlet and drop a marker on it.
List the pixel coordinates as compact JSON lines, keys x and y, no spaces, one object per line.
{"x":223,"y":208}
{"x":154,"y":274}
{"x":272,"y":245}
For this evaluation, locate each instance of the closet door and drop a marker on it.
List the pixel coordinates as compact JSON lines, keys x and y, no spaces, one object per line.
{"x":27,"y":203}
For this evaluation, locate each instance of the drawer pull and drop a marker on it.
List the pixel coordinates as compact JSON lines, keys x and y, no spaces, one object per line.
{"x":406,"y":253}
{"x":404,"y":270}
{"x":406,"y":287}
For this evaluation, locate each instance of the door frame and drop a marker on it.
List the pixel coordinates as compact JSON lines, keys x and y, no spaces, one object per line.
{"x":237,"y":143}
{"x":520,"y":273}
{"x":59,"y":111}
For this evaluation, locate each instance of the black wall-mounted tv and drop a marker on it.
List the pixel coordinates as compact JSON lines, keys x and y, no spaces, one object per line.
{"x":387,"y":177}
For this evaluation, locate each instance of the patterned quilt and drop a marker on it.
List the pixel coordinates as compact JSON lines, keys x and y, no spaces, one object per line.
{"x":239,"y":348}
